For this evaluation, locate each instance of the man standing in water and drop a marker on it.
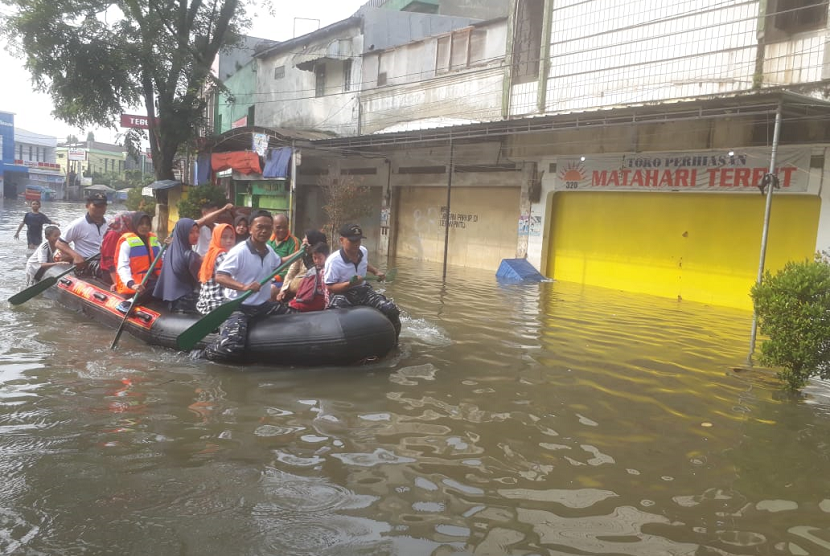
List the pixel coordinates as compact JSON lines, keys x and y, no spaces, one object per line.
{"x":34,"y":222}
{"x":86,"y":232}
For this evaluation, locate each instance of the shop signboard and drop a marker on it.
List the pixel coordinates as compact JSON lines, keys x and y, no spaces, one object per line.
{"x":738,"y":170}
{"x":76,"y":154}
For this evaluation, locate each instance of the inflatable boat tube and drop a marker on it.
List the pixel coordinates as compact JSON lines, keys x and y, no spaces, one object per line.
{"x":320,"y":338}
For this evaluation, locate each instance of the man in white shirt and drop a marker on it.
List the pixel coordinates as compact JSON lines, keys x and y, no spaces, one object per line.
{"x":244,"y":267}
{"x":86,"y":233}
{"x":344,"y":272}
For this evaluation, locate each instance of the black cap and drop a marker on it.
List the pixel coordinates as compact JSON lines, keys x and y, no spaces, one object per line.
{"x":96,"y":198}
{"x":352,"y":232}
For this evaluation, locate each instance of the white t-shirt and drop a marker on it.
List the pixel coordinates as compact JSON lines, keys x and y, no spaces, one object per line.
{"x":245,"y":264}
{"x":85,"y":235}
{"x":340,"y":269}
{"x":202,"y":246}
{"x":43,"y":254}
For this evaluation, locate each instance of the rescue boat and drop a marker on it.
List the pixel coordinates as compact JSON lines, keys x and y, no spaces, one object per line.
{"x":333,"y":337}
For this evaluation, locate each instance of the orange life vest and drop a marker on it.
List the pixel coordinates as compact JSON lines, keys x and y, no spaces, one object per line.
{"x":140,"y":259}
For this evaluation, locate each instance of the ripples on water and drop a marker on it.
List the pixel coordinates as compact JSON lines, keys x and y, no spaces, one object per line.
{"x":514,"y":419}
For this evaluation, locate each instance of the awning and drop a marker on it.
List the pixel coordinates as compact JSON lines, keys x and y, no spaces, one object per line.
{"x":99,"y":187}
{"x":160,"y":185}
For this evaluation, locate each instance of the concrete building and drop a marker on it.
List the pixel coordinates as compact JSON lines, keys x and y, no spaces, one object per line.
{"x":36,"y":152}
{"x":632,"y":141}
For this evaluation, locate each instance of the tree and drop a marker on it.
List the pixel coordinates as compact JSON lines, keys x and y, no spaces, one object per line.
{"x":344,"y":201}
{"x":94,"y":65}
{"x":71,"y":139}
{"x":793,"y":309}
{"x":191,"y":205}
{"x":90,"y":136}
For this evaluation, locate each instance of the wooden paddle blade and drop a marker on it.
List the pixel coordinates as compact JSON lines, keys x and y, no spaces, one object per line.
{"x":32,"y":291}
{"x":188,"y":339}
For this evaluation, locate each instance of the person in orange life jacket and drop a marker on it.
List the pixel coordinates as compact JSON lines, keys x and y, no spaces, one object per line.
{"x":211,"y":294}
{"x":284,"y":245}
{"x":136,"y":250}
{"x":312,"y":294}
{"x":344,"y":274}
{"x":109,"y":254}
{"x":300,"y":268}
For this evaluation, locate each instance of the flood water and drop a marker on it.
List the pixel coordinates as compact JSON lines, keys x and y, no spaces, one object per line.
{"x":526,"y":419}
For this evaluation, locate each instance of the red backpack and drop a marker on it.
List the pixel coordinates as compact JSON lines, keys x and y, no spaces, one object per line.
{"x":311,"y":294}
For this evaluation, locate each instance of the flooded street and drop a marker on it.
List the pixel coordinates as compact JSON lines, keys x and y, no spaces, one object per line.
{"x":514,"y":419}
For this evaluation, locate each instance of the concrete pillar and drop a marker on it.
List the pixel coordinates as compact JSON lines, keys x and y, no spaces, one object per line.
{"x":385,"y":214}
{"x":528,"y":176}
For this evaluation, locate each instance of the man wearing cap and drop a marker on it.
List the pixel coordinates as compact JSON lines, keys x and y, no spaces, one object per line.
{"x":344,"y":272}
{"x":86,"y":232}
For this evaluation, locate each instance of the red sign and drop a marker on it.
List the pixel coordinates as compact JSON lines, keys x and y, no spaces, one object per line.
{"x":136,"y":122}
{"x":241,"y":122}
{"x":34,"y":164}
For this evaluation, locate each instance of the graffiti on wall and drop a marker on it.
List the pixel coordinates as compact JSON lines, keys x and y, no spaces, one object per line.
{"x":456,"y":219}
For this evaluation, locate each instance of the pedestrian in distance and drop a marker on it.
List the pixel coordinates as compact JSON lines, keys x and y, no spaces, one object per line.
{"x":34,"y":222}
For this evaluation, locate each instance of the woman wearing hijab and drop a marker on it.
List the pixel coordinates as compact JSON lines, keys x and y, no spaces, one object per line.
{"x":178,"y":284}
{"x":137,"y":249}
{"x":211,"y":295}
{"x":300,"y":267}
{"x":240,"y":226}
{"x":109,"y":255}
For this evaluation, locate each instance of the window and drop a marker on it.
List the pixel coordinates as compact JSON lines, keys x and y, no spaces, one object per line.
{"x":120,"y":166}
{"x":383,"y":69}
{"x":251,"y":114}
{"x":279,"y":72}
{"x":347,"y":76}
{"x":527,"y":40}
{"x":785,"y":17}
{"x":460,"y":49}
{"x":319,"y":80}
{"x":20,"y":152}
{"x":30,"y":153}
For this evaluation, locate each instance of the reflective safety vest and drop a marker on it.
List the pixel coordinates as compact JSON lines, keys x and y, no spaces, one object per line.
{"x":140,"y":259}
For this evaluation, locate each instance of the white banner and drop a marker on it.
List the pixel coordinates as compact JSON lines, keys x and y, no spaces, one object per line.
{"x":699,"y":171}
{"x":76,"y":154}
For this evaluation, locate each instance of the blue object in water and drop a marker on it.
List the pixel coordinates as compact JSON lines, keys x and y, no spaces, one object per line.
{"x":518,"y":270}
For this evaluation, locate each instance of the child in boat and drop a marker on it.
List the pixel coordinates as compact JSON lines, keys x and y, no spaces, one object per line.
{"x":34,"y":222}
{"x":211,"y":294}
{"x":44,"y":256}
{"x":312,"y":294}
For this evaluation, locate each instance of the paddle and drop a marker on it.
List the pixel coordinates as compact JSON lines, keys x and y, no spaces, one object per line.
{"x":205,"y":325}
{"x":135,"y":297}
{"x":45,"y":284}
{"x":390,"y":276}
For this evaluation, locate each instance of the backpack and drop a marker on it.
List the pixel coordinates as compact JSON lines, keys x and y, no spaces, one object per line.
{"x":311,"y":295}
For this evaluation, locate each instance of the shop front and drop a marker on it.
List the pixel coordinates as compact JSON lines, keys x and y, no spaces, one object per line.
{"x":684,"y":225}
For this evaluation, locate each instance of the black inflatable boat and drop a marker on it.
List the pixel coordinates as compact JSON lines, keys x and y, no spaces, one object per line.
{"x":321,"y":338}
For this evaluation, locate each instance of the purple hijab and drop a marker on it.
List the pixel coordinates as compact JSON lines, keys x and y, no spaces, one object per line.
{"x":180,"y":271}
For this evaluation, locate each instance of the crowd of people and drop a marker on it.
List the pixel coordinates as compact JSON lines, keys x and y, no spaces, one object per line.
{"x":209,"y":261}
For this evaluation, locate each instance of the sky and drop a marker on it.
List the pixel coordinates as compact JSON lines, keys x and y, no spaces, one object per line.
{"x":33,"y":110}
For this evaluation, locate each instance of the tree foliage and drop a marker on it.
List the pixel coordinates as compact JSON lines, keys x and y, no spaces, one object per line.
{"x":97,"y":58}
{"x":137,"y":201}
{"x":345,"y":200}
{"x":191,"y":206}
{"x":793,"y":309}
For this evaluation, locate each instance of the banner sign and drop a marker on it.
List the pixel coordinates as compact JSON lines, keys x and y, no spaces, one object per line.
{"x":136,"y":122}
{"x":699,"y":171}
{"x":76,"y":154}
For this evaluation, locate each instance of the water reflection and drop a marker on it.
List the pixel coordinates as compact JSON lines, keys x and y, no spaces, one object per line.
{"x":540,"y":419}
